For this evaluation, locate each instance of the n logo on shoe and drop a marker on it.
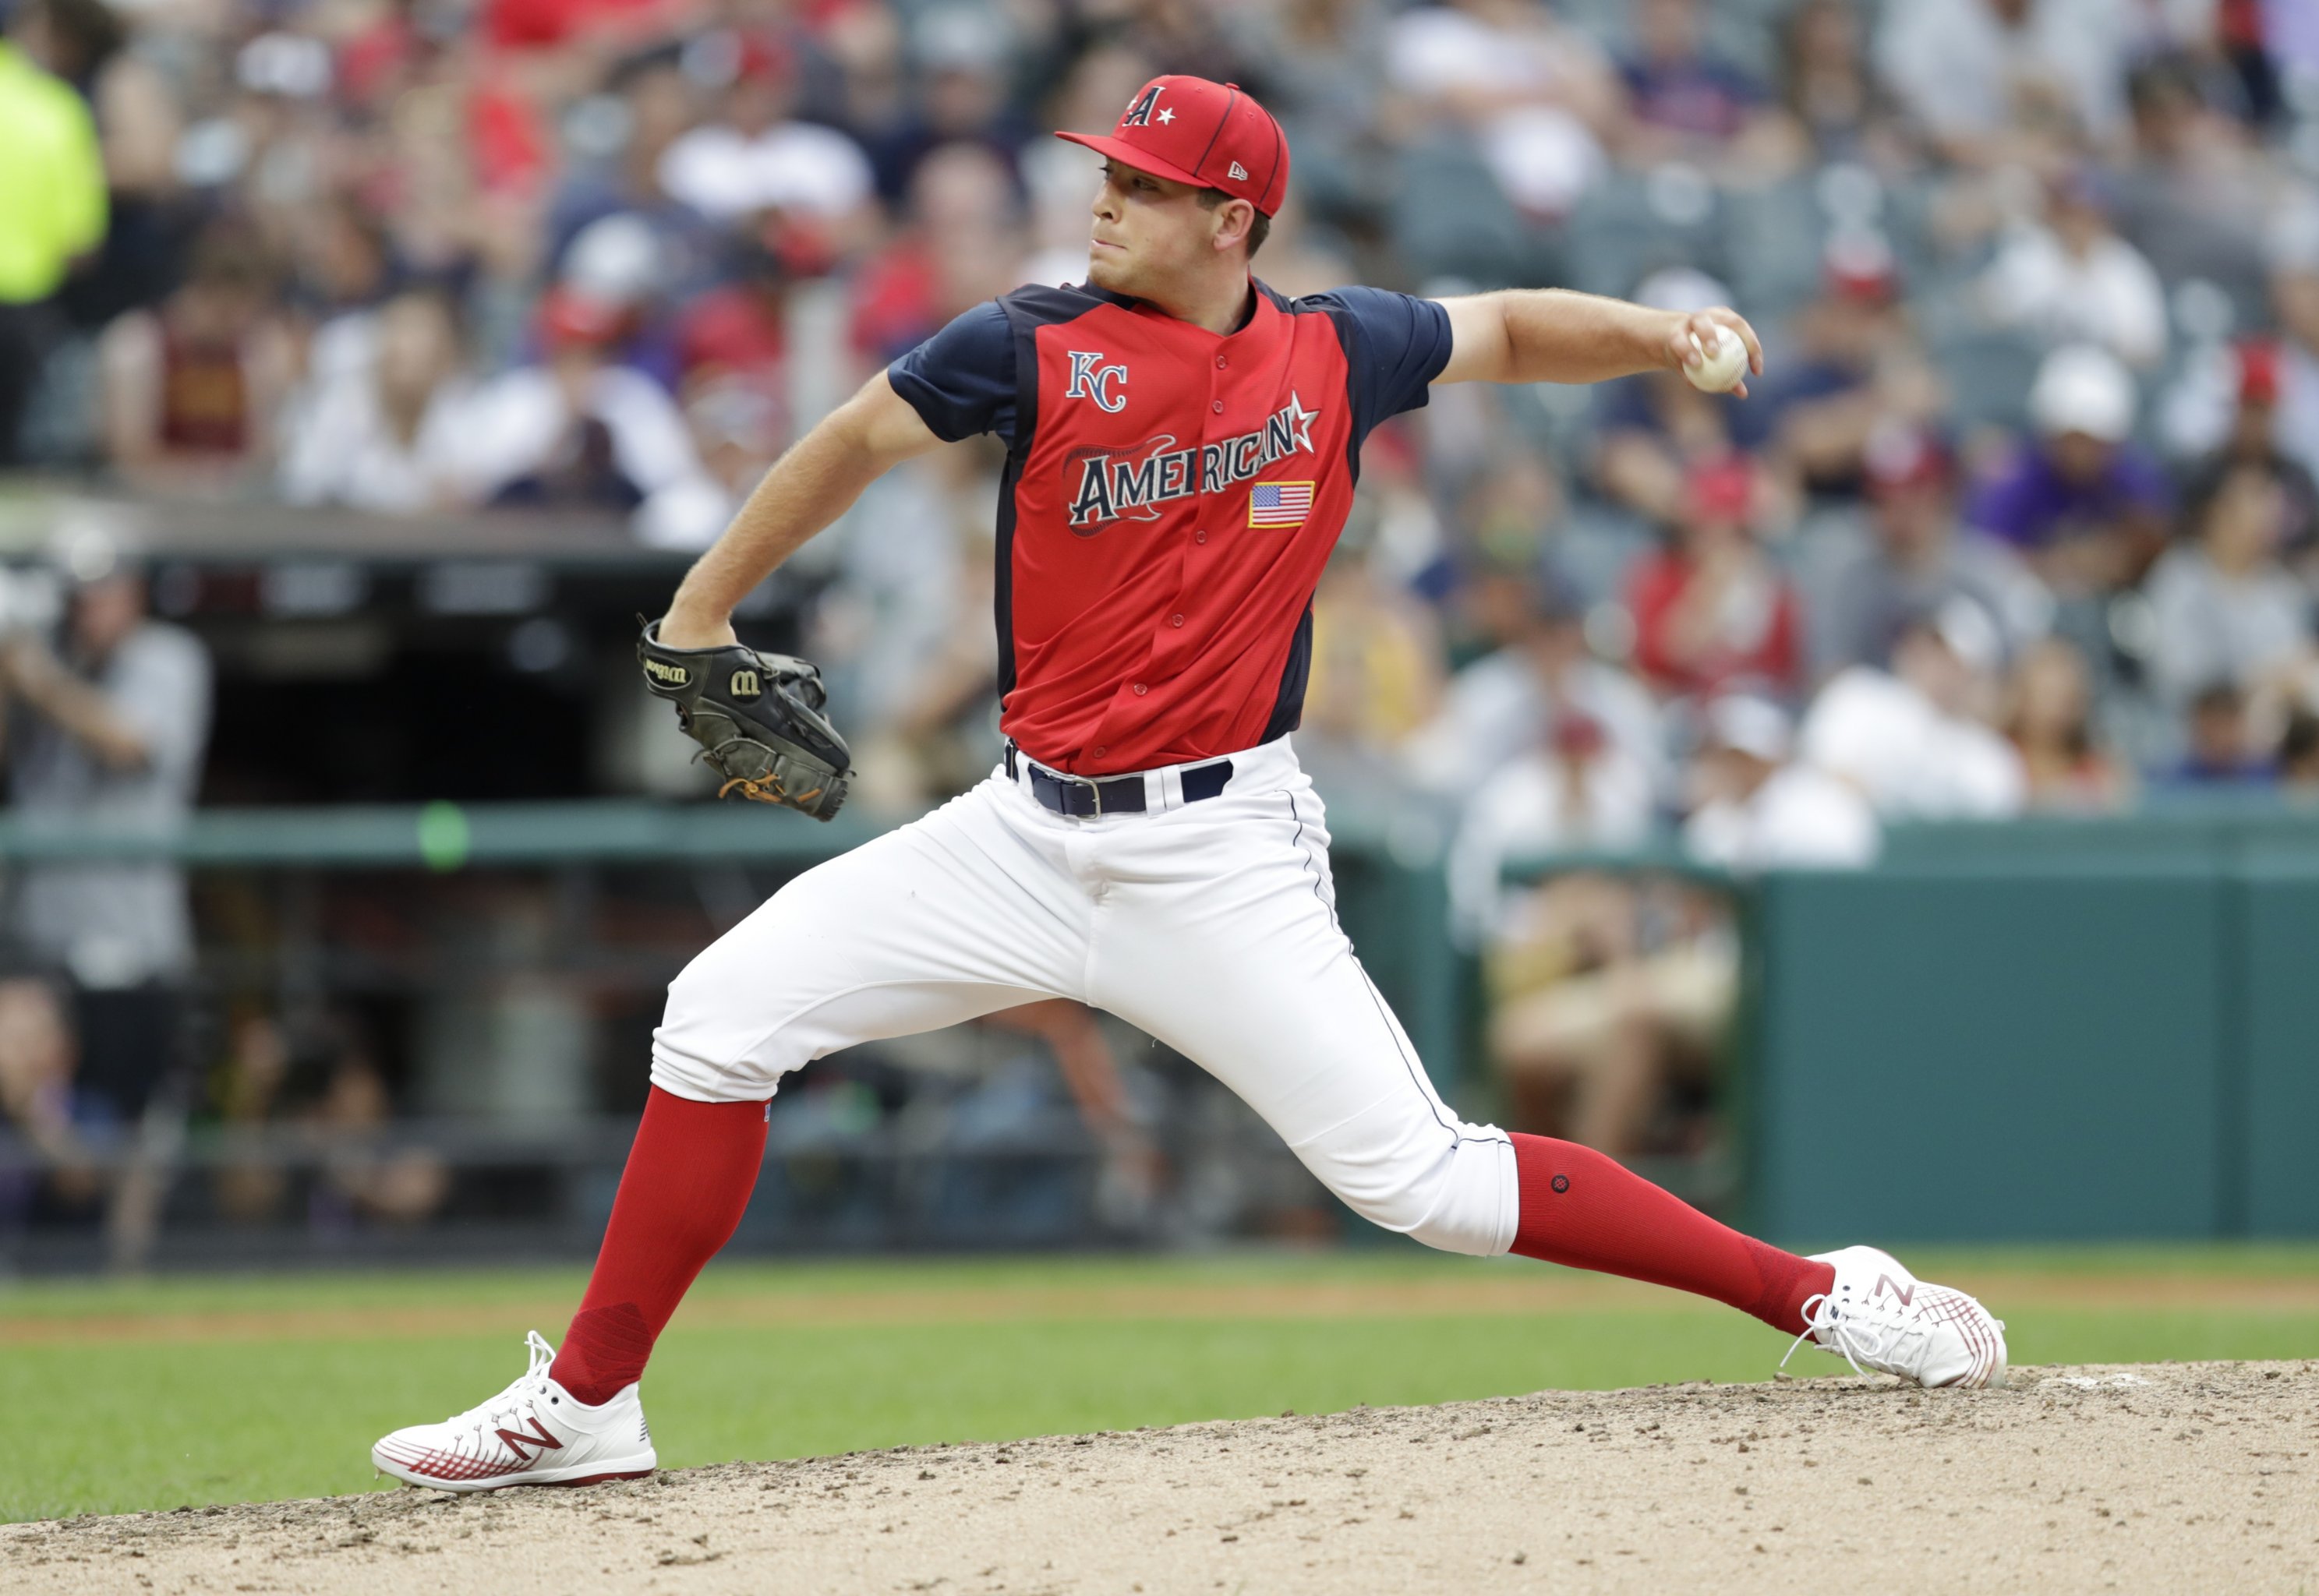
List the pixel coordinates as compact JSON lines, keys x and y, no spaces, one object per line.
{"x":1884,"y":1284}
{"x":536,"y":1437}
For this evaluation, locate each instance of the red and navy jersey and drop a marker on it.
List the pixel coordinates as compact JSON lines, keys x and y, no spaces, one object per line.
{"x":1170,"y":497}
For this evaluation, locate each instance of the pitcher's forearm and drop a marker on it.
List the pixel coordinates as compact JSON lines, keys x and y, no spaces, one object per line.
{"x":1554,"y":335}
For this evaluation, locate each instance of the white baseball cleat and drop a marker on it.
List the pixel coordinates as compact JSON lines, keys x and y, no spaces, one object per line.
{"x":1879,"y":1316}
{"x":533,"y":1433}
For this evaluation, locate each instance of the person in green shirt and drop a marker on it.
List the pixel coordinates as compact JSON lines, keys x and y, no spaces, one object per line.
{"x":52,"y":211}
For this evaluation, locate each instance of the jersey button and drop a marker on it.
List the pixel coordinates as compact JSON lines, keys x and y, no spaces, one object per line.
{"x":1218,"y":407}
{"x":1175,"y":621}
{"x":1140,"y":689}
{"x":1200,"y":536}
{"x":1101,"y":751}
{"x":1222,"y":363}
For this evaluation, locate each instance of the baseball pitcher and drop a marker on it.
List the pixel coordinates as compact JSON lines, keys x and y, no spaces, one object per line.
{"x":1182,"y":445}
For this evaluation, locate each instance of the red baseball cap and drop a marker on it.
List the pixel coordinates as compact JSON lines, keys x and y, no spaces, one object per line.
{"x":1210,"y":135}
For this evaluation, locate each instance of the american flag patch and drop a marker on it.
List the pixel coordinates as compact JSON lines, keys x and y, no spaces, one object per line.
{"x":1279,"y":504}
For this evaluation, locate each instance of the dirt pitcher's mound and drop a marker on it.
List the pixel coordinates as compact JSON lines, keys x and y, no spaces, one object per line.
{"x":2170,"y":1476}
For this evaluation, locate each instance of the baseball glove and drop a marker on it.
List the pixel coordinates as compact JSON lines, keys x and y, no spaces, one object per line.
{"x":758,"y":719}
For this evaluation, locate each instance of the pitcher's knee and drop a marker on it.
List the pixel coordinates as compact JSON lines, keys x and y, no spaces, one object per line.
{"x":713,"y":1044}
{"x":1458,"y":1195}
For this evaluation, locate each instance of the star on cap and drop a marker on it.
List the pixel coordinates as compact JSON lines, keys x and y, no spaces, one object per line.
{"x":1169,"y":115}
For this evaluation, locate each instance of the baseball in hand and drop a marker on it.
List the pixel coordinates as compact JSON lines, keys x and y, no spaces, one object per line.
{"x":1720,"y":365}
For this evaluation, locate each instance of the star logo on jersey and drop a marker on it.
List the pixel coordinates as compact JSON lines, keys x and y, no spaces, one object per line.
{"x":1132,"y":485}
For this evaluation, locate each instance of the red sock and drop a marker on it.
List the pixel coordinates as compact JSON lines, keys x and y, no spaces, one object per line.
{"x":688,"y":1178}
{"x":1590,"y":1212}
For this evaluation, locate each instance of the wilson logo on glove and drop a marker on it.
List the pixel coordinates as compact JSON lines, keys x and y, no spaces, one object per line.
{"x":764,"y":732}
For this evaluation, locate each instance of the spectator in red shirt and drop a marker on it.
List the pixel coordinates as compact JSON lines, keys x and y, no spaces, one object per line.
{"x":1710,"y":611}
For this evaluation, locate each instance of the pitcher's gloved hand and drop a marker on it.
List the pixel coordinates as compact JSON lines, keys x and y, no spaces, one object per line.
{"x":758,"y":719}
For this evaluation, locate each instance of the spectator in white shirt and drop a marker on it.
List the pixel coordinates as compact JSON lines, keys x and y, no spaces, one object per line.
{"x":1915,"y":741}
{"x":1494,"y":709}
{"x":380,"y":430}
{"x":760,"y":157}
{"x":1535,"y":95}
{"x":1757,"y":809}
{"x":2227,"y":609}
{"x":1968,"y":70}
{"x":2071,"y":279}
{"x":578,"y":429}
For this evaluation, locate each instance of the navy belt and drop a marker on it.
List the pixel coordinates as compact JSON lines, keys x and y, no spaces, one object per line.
{"x":1087,"y":796}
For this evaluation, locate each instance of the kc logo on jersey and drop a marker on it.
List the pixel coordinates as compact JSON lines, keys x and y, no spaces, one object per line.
{"x":1137,"y":482}
{"x":1090,"y":381}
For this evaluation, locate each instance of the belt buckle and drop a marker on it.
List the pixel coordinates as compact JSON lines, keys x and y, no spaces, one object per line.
{"x":1095,"y":787}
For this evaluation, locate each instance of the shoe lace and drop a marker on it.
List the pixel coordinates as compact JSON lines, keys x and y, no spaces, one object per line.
{"x":531,"y":1384}
{"x":1861,"y":1333}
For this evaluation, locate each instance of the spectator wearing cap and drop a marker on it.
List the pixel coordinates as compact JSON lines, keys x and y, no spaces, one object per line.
{"x":2085,"y":507}
{"x":1711,"y":609}
{"x":2049,"y":717}
{"x":1914,"y":739}
{"x":2227,"y":610}
{"x":579,"y":431}
{"x":732,"y":347}
{"x":2069,"y":279}
{"x":1498,"y":708}
{"x":1753,"y":808}
{"x":1918,"y":558}
{"x":659,"y":101}
{"x":1855,"y":367}
{"x":110,"y":729}
{"x":2242,"y":430}
{"x":1571,"y":788}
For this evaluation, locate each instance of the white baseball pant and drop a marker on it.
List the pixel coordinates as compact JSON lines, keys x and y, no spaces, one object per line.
{"x":1211,"y":926}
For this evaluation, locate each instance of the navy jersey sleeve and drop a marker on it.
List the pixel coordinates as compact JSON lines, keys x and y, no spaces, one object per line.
{"x":961,"y":380}
{"x":1396,"y":344}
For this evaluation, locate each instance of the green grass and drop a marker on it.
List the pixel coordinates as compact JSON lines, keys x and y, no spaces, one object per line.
{"x":111,"y":1425}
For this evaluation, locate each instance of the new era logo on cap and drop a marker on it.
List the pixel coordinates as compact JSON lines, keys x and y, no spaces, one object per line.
{"x":1211,"y":135}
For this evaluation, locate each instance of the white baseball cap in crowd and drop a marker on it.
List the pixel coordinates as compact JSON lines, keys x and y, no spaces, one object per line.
{"x":1748,"y":725}
{"x":1971,"y":633}
{"x":1680,"y":288}
{"x":2083,"y":388}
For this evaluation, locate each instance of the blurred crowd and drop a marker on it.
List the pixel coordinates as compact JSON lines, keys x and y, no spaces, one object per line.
{"x":2021,"y":517}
